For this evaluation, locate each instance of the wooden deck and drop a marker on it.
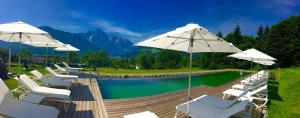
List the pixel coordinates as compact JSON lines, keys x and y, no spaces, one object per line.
{"x":162,"y":105}
{"x":86,"y":101}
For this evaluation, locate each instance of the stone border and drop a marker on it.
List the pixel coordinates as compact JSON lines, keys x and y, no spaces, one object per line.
{"x":116,"y":76}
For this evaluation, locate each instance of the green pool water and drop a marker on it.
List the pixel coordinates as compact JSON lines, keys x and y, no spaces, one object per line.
{"x":138,"y":87}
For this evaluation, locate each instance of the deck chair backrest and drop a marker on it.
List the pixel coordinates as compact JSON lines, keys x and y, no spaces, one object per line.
{"x":256,"y":91}
{"x":3,"y":91}
{"x":27,"y":82}
{"x":236,"y":108}
{"x":5,"y":94}
{"x":67,"y":66}
{"x":58,"y":67}
{"x":51,"y":71}
{"x":235,"y":100}
{"x":37,"y":74}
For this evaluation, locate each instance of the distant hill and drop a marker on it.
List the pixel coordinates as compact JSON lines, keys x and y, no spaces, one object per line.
{"x":95,"y":40}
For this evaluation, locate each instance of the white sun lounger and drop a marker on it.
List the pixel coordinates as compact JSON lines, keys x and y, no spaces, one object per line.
{"x":67,"y":70}
{"x":33,"y":87}
{"x":250,"y":86}
{"x":71,"y":68}
{"x":234,"y":92}
{"x":145,"y":114}
{"x":60,"y":68}
{"x":10,"y":107}
{"x":51,"y":81}
{"x":212,"y":107}
{"x":56,"y":75}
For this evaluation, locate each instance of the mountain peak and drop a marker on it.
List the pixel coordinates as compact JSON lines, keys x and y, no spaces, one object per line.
{"x":93,"y":40}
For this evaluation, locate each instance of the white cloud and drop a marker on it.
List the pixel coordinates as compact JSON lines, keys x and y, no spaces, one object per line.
{"x":77,"y":15}
{"x":280,"y":7}
{"x":110,"y":27}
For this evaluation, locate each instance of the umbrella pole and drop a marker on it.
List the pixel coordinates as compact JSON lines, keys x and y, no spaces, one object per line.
{"x":190,"y":77}
{"x":67,"y":56}
{"x":19,"y":61}
{"x":251,"y":68}
{"x":9,"y":58}
{"x":46,"y":64}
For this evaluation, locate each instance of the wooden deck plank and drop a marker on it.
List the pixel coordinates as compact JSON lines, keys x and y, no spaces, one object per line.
{"x":86,"y":101}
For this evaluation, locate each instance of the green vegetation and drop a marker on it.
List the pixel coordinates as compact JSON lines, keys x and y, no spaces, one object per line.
{"x":30,"y":68}
{"x":135,"y":71}
{"x":11,"y":83}
{"x":96,"y":59}
{"x":284,"y":100}
{"x":283,"y":42}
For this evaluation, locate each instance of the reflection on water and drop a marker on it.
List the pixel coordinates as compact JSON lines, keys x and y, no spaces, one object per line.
{"x":137,"y":87}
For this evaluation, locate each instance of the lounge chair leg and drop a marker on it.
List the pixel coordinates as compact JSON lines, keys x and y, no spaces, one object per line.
{"x":176,"y":114}
{"x":65,"y":106}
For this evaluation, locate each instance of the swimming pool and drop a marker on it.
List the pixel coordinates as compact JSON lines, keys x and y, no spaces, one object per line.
{"x":138,"y":87}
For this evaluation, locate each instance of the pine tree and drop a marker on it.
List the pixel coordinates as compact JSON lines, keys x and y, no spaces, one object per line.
{"x":283,"y":42}
{"x":260,"y":37}
{"x":237,"y":35}
{"x":220,"y":34}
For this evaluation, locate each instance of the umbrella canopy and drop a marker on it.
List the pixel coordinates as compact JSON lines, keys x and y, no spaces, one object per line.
{"x":252,"y":55}
{"x":41,"y":44}
{"x":47,"y":45}
{"x":266,"y":63}
{"x":191,"y":35}
{"x":22,"y":32}
{"x":190,"y":38}
{"x":67,"y":48}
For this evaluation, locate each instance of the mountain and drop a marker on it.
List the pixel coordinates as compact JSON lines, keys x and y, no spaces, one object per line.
{"x":95,"y":40}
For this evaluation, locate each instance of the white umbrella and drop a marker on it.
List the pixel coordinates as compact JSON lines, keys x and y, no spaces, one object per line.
{"x":255,"y":56}
{"x":266,"y":63}
{"x":190,"y":38}
{"x":22,"y":32}
{"x":67,"y":48}
{"x":47,"y":45}
{"x":252,"y":55}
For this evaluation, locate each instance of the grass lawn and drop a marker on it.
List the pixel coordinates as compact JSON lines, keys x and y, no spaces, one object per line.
{"x":135,"y":71}
{"x":31,"y":67}
{"x":285,"y":103}
{"x":12,"y":83}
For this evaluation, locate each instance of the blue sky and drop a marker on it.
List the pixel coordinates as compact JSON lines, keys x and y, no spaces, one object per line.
{"x":140,"y":19}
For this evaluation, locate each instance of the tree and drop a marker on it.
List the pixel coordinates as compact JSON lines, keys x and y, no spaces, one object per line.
{"x":283,"y":41}
{"x":24,"y":56}
{"x":4,"y":54}
{"x":167,"y":59}
{"x":220,"y":34}
{"x":116,"y":63}
{"x":235,"y":37}
{"x":74,"y":57}
{"x":96,"y":59}
{"x":145,"y":59}
{"x":260,"y":37}
{"x":3,"y":68}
